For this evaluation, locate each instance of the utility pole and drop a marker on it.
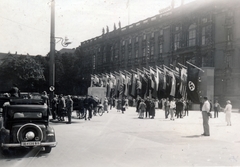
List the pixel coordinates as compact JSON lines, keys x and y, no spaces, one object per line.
{"x":52,"y":52}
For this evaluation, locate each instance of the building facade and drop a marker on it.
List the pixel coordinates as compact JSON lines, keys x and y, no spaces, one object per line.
{"x":205,"y":33}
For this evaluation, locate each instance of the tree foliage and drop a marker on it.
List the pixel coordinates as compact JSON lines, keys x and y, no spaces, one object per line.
{"x":21,"y":69}
{"x":31,"y":73}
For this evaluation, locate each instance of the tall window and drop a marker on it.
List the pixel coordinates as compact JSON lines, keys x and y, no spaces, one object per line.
{"x":152,"y":51}
{"x":144,"y":37}
{"x":129,"y":54}
{"x":104,"y":55}
{"x":144,"y":52}
{"x":161,"y":32}
{"x":176,"y":41}
{"x":160,"y":48}
{"x":112,"y":53}
{"x":116,"y":52}
{"x":136,"y":53}
{"x":152,"y":35}
{"x":130,"y":41}
{"x":192,"y":34}
{"x":206,"y":34}
{"x":94,"y":61}
{"x":136,"y":39}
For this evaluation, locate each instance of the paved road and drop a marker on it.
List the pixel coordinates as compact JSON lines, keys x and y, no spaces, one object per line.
{"x":123,"y":140}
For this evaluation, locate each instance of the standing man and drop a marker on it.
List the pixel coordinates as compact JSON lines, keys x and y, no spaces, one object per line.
{"x":147,"y":102}
{"x":54,"y":106}
{"x":152,"y":109}
{"x":216,"y":109}
{"x":166,"y":107}
{"x":61,"y":107}
{"x":69,"y":106}
{"x":205,"y":115}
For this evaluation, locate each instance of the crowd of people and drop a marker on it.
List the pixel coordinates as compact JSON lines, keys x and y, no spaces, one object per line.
{"x":62,"y":106}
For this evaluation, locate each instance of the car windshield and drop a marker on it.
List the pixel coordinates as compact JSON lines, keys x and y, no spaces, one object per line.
{"x":20,"y":114}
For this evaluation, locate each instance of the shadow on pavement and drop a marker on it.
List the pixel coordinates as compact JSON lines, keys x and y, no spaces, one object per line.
{"x":21,"y":153}
{"x":192,"y":136}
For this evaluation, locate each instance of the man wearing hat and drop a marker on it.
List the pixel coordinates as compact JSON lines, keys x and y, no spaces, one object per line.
{"x":205,"y":115}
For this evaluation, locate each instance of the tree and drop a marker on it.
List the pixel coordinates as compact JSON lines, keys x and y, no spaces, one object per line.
{"x":23,"y":70}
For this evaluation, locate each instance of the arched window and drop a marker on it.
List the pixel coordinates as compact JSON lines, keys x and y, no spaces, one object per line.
{"x":192,"y":33}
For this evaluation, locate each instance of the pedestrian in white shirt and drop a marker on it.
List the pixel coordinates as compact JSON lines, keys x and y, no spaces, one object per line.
{"x":228,"y":111}
{"x":205,"y":115}
{"x":172,"y":108}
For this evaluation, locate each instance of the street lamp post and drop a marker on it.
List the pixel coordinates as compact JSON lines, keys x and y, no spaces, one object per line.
{"x":52,"y":52}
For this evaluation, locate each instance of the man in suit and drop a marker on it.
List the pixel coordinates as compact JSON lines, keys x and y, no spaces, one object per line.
{"x":205,"y":115}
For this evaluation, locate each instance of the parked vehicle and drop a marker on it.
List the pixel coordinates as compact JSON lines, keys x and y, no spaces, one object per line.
{"x":26,"y":125}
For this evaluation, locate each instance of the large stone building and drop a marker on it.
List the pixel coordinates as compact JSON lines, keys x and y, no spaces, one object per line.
{"x":205,"y":33}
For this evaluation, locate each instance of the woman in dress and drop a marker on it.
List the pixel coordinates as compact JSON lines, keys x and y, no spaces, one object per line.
{"x":228,"y":111}
{"x":142,"y":109}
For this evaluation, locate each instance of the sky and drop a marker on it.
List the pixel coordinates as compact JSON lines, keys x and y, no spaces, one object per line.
{"x":25,"y":24}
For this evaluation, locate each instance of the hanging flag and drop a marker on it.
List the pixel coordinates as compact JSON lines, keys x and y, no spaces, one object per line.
{"x":121,"y":84}
{"x":133,"y":85}
{"x":192,"y":84}
{"x":126,"y":85}
{"x":160,"y":92}
{"x":144,"y":85}
{"x":154,"y":83}
{"x":183,"y":83}
{"x":167,"y":82}
{"x":173,"y":86}
{"x":164,"y":78}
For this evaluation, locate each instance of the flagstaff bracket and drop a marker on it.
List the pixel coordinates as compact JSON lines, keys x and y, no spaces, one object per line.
{"x":64,"y":42}
{"x":195,"y":66}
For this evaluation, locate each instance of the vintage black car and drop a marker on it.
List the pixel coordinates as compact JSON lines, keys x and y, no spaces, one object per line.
{"x":25,"y":124}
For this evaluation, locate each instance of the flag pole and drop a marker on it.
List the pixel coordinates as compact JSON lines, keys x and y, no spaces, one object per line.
{"x":182,"y":65}
{"x":134,"y":71}
{"x":140,"y":70}
{"x":195,"y":66}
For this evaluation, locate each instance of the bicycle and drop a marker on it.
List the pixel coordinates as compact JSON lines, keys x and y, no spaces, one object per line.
{"x":98,"y":110}
{"x":80,"y":114}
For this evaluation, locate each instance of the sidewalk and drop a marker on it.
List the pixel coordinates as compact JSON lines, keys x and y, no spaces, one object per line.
{"x":180,"y":142}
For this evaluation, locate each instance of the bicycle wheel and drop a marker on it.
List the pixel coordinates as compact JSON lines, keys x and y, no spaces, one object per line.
{"x":80,"y":115}
{"x":100,"y":111}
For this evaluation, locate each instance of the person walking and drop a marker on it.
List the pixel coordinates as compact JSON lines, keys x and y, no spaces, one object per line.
{"x":179,"y":108}
{"x":166,"y":108}
{"x":228,"y":111}
{"x":119,"y":105}
{"x":172,"y":107}
{"x":69,"y":107}
{"x":216,"y":109}
{"x":205,"y":115}
{"x":105,"y":105}
{"x":123,"y":105}
{"x":142,"y":109}
{"x":152,"y":109}
{"x":126,"y":103}
{"x":87,"y":108}
{"x":111,"y":103}
{"x":186,"y":108}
